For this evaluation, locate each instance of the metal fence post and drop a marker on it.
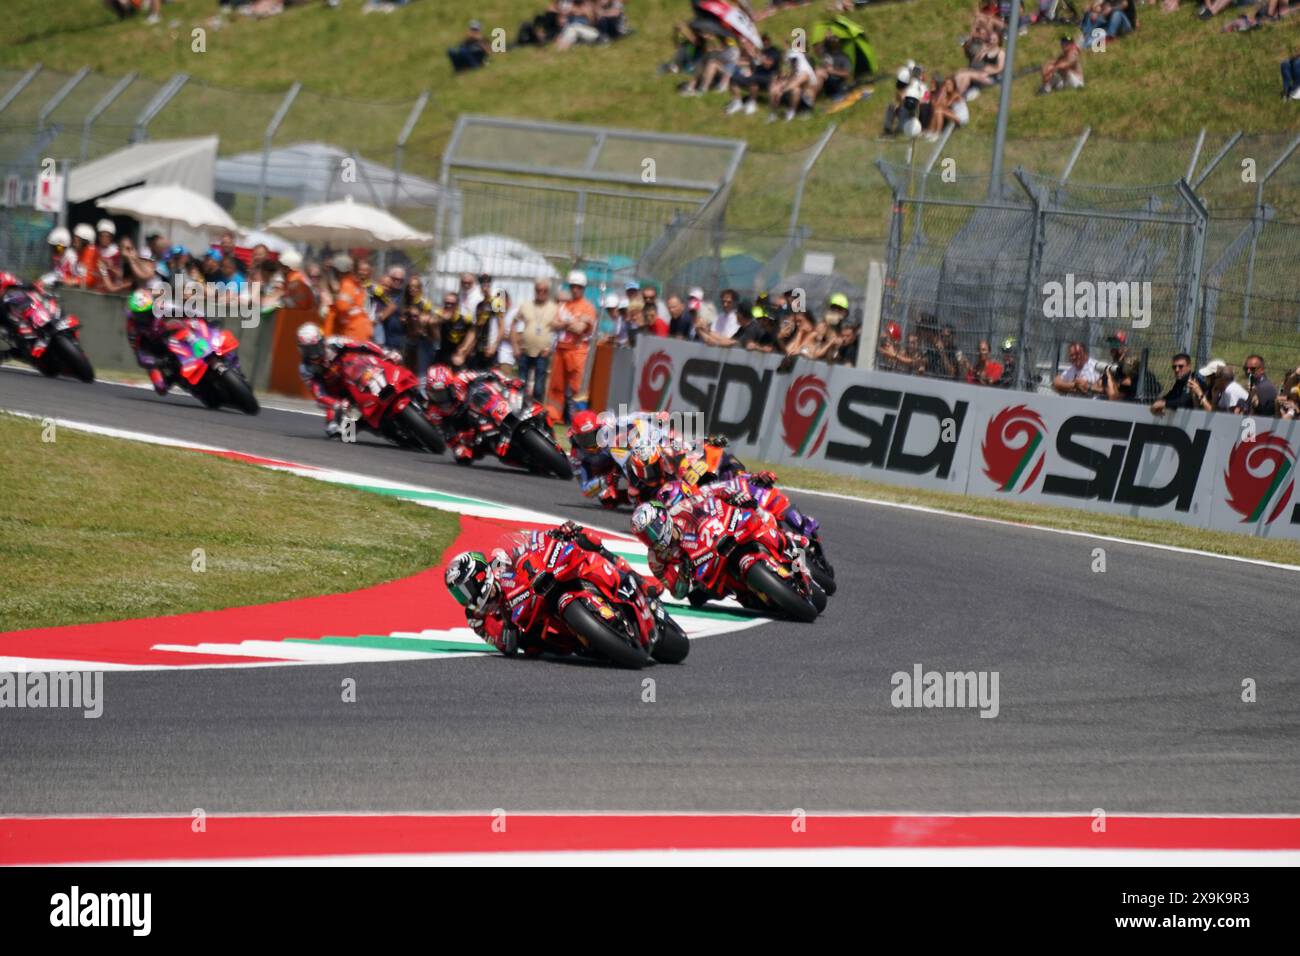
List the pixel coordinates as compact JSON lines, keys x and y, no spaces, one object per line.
{"x":14,"y":91}
{"x":98,"y":110}
{"x":1074,"y":154}
{"x":281,"y":112}
{"x":53,"y":102}
{"x":400,"y":148}
{"x":1257,"y":226}
{"x":140,"y":132}
{"x":1004,"y":104}
{"x":803,"y":175}
{"x":1033,"y":269}
{"x":1186,"y":323}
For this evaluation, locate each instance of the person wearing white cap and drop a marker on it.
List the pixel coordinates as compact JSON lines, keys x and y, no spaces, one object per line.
{"x":63,"y":258}
{"x":108,"y":258}
{"x":611,"y":327}
{"x":574,"y":322}
{"x":1222,"y":392}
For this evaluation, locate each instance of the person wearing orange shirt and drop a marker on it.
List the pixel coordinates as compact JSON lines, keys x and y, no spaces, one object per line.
{"x":83,"y":243}
{"x":574,"y":323}
{"x":348,"y":316}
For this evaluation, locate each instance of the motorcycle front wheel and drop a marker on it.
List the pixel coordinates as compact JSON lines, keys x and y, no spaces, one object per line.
{"x":417,"y":426}
{"x":71,"y":359}
{"x":546,"y":454}
{"x":780,"y":593}
{"x":238,"y":393}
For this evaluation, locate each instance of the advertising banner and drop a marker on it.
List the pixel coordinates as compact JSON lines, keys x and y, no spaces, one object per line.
{"x":1210,"y":470}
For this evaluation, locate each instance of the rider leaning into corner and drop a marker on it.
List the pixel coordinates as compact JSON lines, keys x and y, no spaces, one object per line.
{"x":480,"y":584}
{"x":447,"y":390}
{"x":322,"y":371}
{"x":149,"y":322}
{"x":669,"y":533}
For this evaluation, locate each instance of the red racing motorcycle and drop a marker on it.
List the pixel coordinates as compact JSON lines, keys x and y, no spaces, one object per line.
{"x":741,"y":551}
{"x":507,"y":422}
{"x":205,"y":362}
{"x":40,"y":334}
{"x":582,"y":604}
{"x":384,"y":397}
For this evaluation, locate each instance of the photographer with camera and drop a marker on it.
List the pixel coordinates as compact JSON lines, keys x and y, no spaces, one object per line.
{"x":1261,"y":393}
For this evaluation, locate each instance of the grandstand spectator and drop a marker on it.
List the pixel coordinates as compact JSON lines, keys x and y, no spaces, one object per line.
{"x":939,"y":346}
{"x":1288,"y":401}
{"x":348,"y":306}
{"x":849,"y":341}
{"x":389,"y":297}
{"x":1064,"y":71}
{"x":681,"y":325}
{"x":1225,"y":394}
{"x":108,"y":259}
{"x":1080,"y":376}
{"x":715,"y":70}
{"x":574,"y":323}
{"x":455,"y":333}
{"x":1178,"y":395}
{"x":809,"y":340}
{"x":1009,"y":364}
{"x":579,"y":24}
{"x":137,"y":271}
{"x":467,"y":294}
{"x":794,"y":88}
{"x":725,"y":321}
{"x":986,"y":370}
{"x":1291,"y":78}
{"x":887,"y":349}
{"x":985,"y":69}
{"x":1262,"y":394}
{"x":471,"y":52}
{"x":749,"y":333}
{"x":753,"y":77}
{"x":656,"y":312}
{"x":702,"y":313}
{"x":1119,"y":379}
{"x":487,"y":336}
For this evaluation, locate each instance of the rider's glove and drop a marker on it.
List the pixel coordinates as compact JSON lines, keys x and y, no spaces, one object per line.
{"x":764,"y":478}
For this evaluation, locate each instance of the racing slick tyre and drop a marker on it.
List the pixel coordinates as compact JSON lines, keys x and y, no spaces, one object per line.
{"x":418,"y":427}
{"x":71,"y":359}
{"x":780,"y":594}
{"x":545,"y":454}
{"x":237,"y":392}
{"x":818,"y":597}
{"x":673,"y":644}
{"x":602,"y":639}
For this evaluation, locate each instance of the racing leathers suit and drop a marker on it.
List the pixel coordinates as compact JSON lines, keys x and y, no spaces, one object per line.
{"x":326,"y":382}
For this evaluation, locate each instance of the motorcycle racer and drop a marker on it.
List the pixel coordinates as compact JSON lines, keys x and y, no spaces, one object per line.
{"x":447,"y":390}
{"x":147,"y":328}
{"x":322,"y":372}
{"x":482,"y":585}
{"x":593,"y":464}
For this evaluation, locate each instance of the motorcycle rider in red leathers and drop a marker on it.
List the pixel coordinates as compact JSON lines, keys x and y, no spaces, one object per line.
{"x":446,"y":390}
{"x":481,"y":584}
{"x":669,"y":533}
{"x":322,"y":372}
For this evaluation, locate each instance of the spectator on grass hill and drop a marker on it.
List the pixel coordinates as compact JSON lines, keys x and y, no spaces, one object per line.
{"x":1080,"y":376}
{"x":128,"y":8}
{"x":1064,"y":71}
{"x":472,"y":51}
{"x":579,"y":25}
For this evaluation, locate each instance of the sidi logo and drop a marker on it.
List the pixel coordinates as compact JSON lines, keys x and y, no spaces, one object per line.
{"x":76,"y":909}
{"x":803,"y":419}
{"x":883,"y":442}
{"x":1013,"y":448}
{"x":1260,"y":477}
{"x":655,"y":390}
{"x":1085,"y":299}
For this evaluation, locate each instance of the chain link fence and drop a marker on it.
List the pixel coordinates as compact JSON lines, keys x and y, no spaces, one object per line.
{"x":1217,"y":255}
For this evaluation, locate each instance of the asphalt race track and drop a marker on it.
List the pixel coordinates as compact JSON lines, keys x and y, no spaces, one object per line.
{"x":1118,"y":690}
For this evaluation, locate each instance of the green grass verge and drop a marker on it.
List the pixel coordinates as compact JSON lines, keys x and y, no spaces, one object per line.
{"x":1069,"y":519}
{"x":1174,"y":76}
{"x":98,"y":529}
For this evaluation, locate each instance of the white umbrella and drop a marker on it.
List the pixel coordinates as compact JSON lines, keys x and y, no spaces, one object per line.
{"x":346,"y":223}
{"x":257,"y":237}
{"x":174,"y":204}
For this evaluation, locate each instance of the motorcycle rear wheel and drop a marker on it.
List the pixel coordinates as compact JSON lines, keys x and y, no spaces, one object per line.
{"x":602,"y":639}
{"x":782,"y":595}
{"x":418,"y":427}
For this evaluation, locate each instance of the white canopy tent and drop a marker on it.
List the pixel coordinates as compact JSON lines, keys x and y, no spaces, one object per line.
{"x":513,"y":265}
{"x":311,"y":173}
{"x":347,"y":223}
{"x":182,"y":162}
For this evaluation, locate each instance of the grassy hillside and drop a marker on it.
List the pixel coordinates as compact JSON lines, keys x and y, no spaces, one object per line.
{"x":1174,"y":76}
